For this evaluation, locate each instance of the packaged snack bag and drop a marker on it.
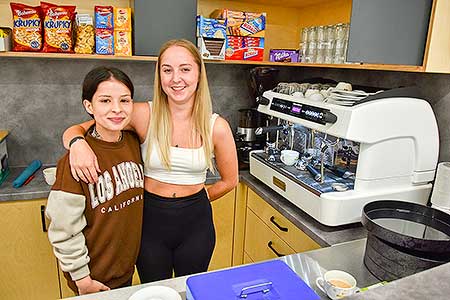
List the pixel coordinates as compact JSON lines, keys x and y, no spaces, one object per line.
{"x":85,"y":34}
{"x":122,"y":43}
{"x":27,"y":27}
{"x":122,"y":18}
{"x":104,"y":41}
{"x":58,"y":22}
{"x":104,"y":17}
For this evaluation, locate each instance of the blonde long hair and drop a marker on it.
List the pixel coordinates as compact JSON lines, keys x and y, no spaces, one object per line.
{"x":160,"y":129}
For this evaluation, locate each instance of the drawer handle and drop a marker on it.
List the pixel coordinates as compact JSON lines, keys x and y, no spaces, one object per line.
{"x":273,"y":249}
{"x":44,"y":226}
{"x":272,"y":219}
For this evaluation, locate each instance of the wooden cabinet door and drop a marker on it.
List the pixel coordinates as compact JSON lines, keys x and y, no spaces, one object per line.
{"x":261,"y":243}
{"x":28,"y":267}
{"x":281,"y":226}
{"x":223,"y":214}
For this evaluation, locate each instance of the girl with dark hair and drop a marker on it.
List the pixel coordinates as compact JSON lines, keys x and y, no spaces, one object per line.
{"x":95,"y":228}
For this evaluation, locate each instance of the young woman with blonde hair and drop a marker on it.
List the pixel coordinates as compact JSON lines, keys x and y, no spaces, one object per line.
{"x":179,"y":137}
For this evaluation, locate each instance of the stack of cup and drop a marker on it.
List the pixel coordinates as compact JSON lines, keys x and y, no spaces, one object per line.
{"x":440,"y":198}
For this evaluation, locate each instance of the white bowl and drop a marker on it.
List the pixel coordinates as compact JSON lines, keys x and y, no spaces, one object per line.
{"x":50,"y":175}
{"x":156,"y":292}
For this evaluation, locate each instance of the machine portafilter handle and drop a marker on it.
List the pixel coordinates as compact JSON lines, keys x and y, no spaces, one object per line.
{"x":263,"y":130}
{"x":316,"y":174}
{"x":262,"y":100}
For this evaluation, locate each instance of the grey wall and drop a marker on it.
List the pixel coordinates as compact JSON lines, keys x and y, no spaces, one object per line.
{"x":39,"y":98}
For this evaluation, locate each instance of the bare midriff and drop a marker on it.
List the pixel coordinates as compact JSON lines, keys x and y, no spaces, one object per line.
{"x":170,"y":190}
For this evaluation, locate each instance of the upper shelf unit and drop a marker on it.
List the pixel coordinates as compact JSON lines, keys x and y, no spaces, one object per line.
{"x":285,"y":19}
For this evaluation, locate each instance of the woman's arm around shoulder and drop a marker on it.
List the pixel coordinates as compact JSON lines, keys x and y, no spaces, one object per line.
{"x":226,"y":159}
{"x":83,"y":161}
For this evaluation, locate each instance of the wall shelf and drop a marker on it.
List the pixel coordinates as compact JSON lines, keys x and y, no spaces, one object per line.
{"x":361,"y":66}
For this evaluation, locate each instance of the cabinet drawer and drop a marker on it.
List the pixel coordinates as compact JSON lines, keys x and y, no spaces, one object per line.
{"x":291,"y":234}
{"x":261,"y":243}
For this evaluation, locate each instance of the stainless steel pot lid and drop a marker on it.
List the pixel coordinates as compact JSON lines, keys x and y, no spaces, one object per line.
{"x":413,"y":228}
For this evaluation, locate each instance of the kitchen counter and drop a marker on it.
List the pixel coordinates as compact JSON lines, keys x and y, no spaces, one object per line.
{"x":308,"y":265}
{"x":429,"y":284}
{"x":37,"y":188}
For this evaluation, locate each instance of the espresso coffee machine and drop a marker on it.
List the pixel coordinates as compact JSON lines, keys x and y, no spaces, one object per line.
{"x":382,"y":148}
{"x":260,"y":80}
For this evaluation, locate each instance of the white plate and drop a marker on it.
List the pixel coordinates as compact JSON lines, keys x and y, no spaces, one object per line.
{"x":156,"y":292}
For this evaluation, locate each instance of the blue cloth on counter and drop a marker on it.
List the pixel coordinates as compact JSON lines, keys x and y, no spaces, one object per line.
{"x":29,"y":171}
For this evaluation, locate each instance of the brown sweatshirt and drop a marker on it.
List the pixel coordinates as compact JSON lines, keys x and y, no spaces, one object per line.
{"x":95,"y":229}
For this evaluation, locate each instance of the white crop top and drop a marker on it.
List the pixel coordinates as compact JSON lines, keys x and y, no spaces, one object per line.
{"x":188,"y":166}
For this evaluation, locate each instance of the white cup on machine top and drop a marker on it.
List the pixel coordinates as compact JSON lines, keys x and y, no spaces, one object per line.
{"x":289,"y":157}
{"x":337,"y":284}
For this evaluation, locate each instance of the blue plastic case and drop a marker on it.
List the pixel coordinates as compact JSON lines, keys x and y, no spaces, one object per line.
{"x":272,"y":280}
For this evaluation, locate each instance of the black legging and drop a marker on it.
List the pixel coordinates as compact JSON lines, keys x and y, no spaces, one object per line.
{"x":177,"y":236}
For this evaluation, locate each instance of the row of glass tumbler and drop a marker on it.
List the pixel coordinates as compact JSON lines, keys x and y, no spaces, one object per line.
{"x":324,"y":44}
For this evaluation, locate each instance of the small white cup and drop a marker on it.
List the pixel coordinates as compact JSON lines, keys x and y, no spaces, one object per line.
{"x":289,"y":157}
{"x":337,"y":284}
{"x":310,"y":92}
{"x":50,"y":175}
{"x":344,"y":86}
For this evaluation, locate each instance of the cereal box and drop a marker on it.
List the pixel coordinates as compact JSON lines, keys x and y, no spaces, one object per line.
{"x":104,"y":41}
{"x":122,"y":43}
{"x":242,"y":23}
{"x":27,"y":27}
{"x":122,"y":19}
{"x":104,"y":17}
{"x":283,"y":55}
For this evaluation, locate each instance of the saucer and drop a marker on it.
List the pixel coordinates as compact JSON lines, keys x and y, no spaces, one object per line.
{"x":156,"y":292}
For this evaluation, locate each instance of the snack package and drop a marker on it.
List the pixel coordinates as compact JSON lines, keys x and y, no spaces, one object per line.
{"x":253,"y":48}
{"x":234,"y":48}
{"x":104,"y":17}
{"x":122,"y":43}
{"x":244,"y":48}
{"x":27,"y":27}
{"x":242,"y":23}
{"x":5,"y":39}
{"x":104,"y":41}
{"x":211,"y":48}
{"x":122,"y":19}
{"x":85,"y":34}
{"x":211,"y":28}
{"x":58,"y":22}
{"x":283,"y":55}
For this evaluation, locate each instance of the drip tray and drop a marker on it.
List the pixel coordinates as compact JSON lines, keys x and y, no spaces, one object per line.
{"x":404,"y":238}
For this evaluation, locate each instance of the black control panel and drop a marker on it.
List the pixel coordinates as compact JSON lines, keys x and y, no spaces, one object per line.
{"x":303,"y":111}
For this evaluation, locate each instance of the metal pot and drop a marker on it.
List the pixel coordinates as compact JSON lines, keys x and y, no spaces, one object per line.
{"x":249,"y":119}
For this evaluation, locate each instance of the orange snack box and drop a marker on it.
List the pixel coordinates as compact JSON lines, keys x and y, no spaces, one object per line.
{"x":122,"y":43}
{"x":122,"y":18}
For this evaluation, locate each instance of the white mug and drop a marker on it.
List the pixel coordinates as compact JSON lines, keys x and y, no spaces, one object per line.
{"x":50,"y":175}
{"x":337,"y":284}
{"x":289,"y":157}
